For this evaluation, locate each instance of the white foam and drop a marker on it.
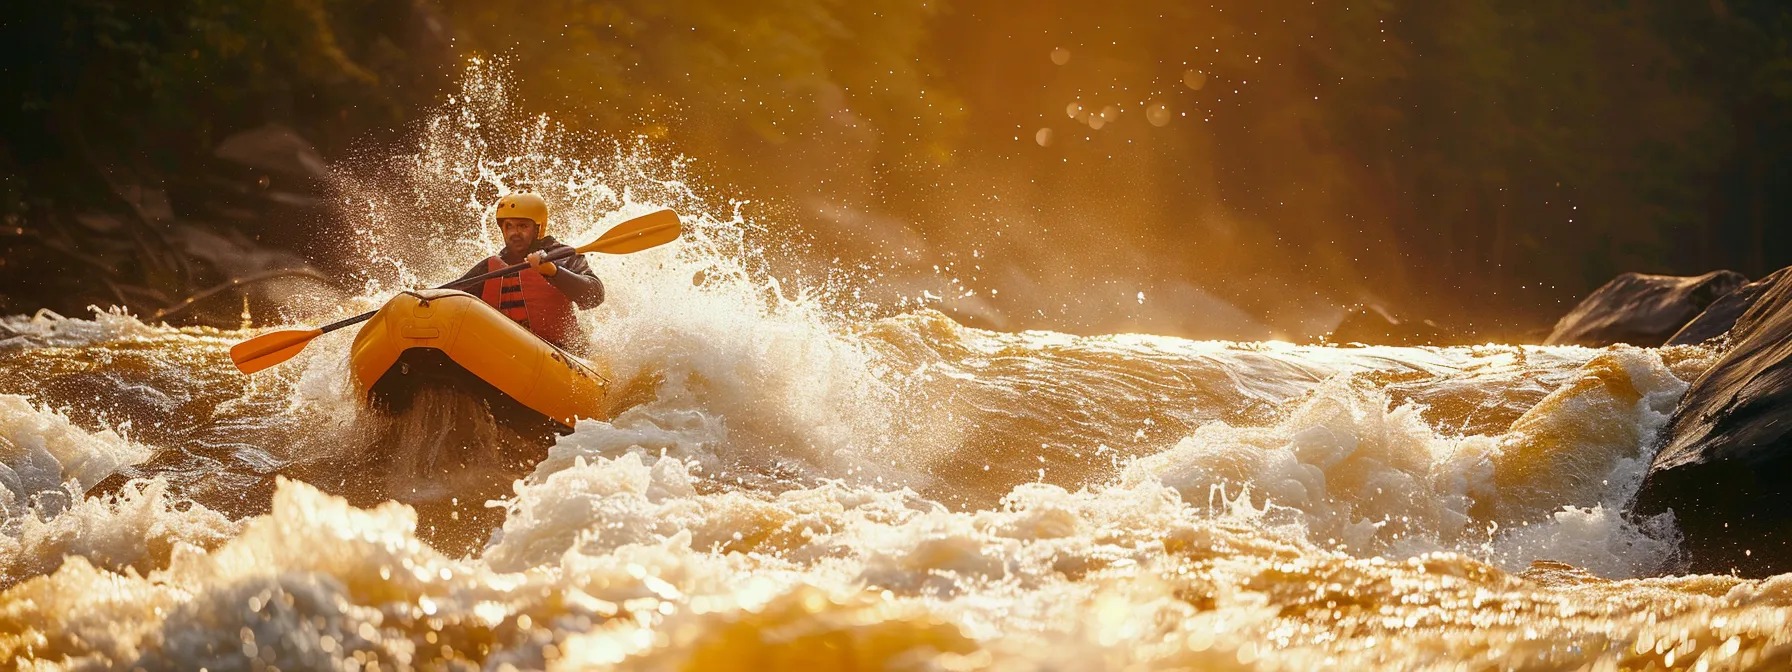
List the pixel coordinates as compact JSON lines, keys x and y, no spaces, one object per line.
{"x":615,"y":561}
{"x":771,"y":379}
{"x":48,"y":329}
{"x":1342,"y":467}
{"x":1347,"y":469}
{"x":137,"y":528}
{"x":47,"y":463}
{"x":595,"y":508}
{"x":41,"y":452}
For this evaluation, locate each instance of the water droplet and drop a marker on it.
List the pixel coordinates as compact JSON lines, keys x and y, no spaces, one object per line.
{"x":1043,"y":137}
{"x":1060,"y":55}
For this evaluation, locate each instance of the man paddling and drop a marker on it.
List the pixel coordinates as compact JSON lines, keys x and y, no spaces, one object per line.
{"x":541,"y":298}
{"x":639,"y":233}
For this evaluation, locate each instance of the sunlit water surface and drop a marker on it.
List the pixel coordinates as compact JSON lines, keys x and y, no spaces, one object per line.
{"x":790,"y":481}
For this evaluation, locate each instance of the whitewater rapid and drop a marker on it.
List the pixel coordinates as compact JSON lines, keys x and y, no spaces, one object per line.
{"x":907,"y":493}
{"x":792,"y":478}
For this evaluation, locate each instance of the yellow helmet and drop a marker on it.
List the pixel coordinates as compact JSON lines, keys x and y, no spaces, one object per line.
{"x":525,"y":205}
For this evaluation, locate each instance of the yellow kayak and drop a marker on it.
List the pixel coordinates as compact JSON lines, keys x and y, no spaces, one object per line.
{"x":451,"y":338}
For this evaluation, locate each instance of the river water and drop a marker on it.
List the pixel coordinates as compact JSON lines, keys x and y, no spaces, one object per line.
{"x":791,"y":480}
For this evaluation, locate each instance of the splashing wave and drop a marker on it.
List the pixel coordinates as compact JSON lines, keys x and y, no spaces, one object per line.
{"x":793,"y":478}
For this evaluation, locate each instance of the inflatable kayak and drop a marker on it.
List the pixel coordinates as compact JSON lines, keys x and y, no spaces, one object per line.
{"x":448,"y":338}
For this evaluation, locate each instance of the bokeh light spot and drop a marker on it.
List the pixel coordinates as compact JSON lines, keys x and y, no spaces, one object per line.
{"x":1158,"y":113}
{"x":1194,"y":79}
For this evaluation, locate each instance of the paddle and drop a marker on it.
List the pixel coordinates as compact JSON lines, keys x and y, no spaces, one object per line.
{"x":647,"y":231}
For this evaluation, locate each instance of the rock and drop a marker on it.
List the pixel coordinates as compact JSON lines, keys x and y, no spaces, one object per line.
{"x":1721,"y":315}
{"x":274,"y":148}
{"x":1371,"y":324}
{"x":1725,"y":465}
{"x":1641,"y":310}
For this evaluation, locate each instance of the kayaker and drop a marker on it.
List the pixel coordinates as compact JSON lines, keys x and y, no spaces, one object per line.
{"x":541,"y":298}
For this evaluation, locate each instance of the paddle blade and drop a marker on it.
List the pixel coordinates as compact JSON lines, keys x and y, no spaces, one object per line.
{"x":269,"y":349}
{"x":650,"y":230}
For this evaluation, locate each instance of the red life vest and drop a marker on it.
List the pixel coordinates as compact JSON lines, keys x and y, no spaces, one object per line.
{"x":527,"y":297}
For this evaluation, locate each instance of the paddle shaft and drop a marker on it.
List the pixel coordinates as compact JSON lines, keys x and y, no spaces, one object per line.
{"x":556,"y":255}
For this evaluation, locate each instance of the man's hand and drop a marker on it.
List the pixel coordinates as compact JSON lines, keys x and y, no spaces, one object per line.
{"x":546,"y":269}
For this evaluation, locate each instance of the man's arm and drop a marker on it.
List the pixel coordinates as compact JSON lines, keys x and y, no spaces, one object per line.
{"x":577,"y":282}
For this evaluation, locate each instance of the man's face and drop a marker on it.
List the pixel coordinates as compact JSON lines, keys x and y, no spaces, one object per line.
{"x":519,"y":233}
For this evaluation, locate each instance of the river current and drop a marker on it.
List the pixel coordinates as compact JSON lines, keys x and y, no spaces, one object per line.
{"x":790,"y":481}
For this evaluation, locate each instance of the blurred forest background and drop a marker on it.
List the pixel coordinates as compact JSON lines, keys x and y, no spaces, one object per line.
{"x":1239,"y":169}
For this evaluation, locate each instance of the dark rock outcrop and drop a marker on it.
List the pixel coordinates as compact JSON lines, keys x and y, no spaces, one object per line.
{"x":1641,"y":310}
{"x":1721,"y":314}
{"x":1371,"y":324}
{"x":1725,"y":466}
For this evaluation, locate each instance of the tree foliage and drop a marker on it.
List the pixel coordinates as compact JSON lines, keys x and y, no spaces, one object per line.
{"x":106,"y":143}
